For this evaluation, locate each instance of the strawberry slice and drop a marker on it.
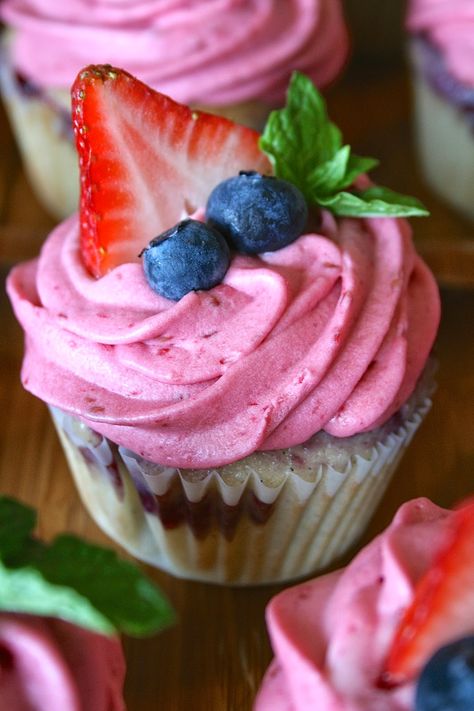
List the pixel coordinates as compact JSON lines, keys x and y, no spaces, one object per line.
{"x":144,"y":161}
{"x":443,"y":606}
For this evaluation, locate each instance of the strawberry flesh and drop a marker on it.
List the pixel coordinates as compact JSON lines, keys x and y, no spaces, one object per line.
{"x":145,"y":161}
{"x":443,"y":606}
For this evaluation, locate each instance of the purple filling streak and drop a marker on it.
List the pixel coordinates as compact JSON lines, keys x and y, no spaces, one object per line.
{"x":174,"y":510}
{"x":441,"y":80}
{"x":26,"y":87}
{"x":106,"y":465}
{"x":30,"y":90}
{"x":173,"y":507}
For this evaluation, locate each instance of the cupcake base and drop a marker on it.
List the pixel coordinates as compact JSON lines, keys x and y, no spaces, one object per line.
{"x":272,"y":517}
{"x":444,"y":136}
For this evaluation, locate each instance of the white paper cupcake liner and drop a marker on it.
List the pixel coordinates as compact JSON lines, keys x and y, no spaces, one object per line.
{"x":272,"y":517}
{"x":444,"y":141}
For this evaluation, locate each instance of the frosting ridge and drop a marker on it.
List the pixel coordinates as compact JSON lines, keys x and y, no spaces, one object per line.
{"x":331,"y":635}
{"x":331,"y":332}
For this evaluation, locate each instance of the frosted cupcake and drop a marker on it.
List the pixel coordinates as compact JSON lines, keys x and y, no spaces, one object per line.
{"x":233,"y":57}
{"x":234,"y":395}
{"x":60,"y":619}
{"x":442,"y":54}
{"x":393,"y":631}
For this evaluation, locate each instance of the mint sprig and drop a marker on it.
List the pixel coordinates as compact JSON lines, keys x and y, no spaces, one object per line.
{"x":74,"y":580}
{"x":306,"y":149}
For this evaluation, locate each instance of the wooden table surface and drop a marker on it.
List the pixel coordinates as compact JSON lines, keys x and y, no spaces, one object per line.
{"x":214,"y":657}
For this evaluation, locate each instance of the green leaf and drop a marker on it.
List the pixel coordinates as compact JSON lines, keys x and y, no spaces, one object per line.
{"x":115,"y":587}
{"x":17,"y":522}
{"x":77,"y":581}
{"x":305,"y":148}
{"x":373,"y":202}
{"x":300,"y":136}
{"x":357,"y":165}
{"x":25,"y":590}
{"x":326,"y":177}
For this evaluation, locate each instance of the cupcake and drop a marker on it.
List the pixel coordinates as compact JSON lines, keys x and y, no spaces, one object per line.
{"x":234,"y":57}
{"x":442,"y":55}
{"x":60,"y":619}
{"x":393,"y":631}
{"x":232,"y":413}
{"x":51,"y":665}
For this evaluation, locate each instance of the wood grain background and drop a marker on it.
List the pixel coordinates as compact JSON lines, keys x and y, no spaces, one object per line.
{"x":214,"y":658}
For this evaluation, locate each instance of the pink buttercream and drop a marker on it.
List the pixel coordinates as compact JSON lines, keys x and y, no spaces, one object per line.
{"x":51,"y":665}
{"x":331,"y":332}
{"x":449,"y":24}
{"x":212,"y":52}
{"x":331,"y":636}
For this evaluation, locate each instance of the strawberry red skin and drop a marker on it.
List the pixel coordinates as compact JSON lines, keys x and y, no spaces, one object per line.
{"x":145,"y":160}
{"x":443,"y":606}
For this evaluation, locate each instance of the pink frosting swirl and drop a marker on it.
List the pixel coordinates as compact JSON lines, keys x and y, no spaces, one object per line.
{"x":331,"y":332}
{"x":214,"y":52}
{"x":449,"y":24}
{"x":51,"y":665}
{"x":331,"y":636}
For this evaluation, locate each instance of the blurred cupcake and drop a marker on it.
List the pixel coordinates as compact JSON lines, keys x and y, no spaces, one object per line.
{"x":234,"y":58}
{"x":244,"y":429}
{"x":393,"y":630}
{"x":442,"y":54}
{"x":51,"y":665}
{"x":60,"y":619}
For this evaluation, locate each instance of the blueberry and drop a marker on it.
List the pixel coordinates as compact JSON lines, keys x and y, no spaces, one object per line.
{"x":257,"y":213}
{"x":188,"y":257}
{"x":447,"y":681}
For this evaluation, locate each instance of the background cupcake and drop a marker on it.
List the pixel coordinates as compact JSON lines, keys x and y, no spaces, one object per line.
{"x":234,"y":58}
{"x":60,"y":617}
{"x":245,"y":432}
{"x":442,"y":55}
{"x":361,"y":638}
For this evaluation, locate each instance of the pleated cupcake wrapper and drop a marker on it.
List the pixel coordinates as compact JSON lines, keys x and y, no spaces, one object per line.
{"x":311,"y":523}
{"x":159,"y":479}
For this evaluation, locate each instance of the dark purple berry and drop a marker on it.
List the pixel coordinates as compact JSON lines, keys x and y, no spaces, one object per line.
{"x":257,"y":213}
{"x":447,"y":681}
{"x":188,"y":257}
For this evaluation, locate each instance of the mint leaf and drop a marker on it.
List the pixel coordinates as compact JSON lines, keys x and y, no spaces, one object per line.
{"x":357,"y":165}
{"x":305,"y":148}
{"x":337,"y":173}
{"x":74,"y":580}
{"x":300,"y":136}
{"x":25,"y":590}
{"x":115,"y":587}
{"x":326,"y":177}
{"x":373,"y":202}
{"x":16,"y":525}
